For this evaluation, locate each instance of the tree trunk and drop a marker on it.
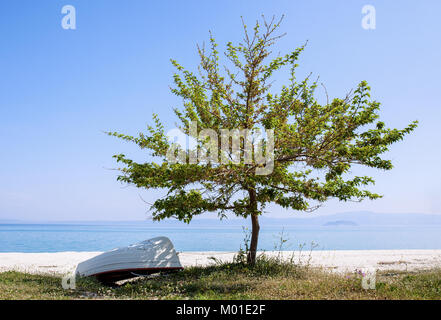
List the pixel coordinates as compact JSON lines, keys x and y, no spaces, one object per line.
{"x":251,"y":258}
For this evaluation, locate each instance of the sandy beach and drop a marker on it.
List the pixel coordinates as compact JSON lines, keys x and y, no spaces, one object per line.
{"x":336,"y":261}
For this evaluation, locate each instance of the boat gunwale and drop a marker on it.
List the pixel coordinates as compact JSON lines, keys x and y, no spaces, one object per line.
{"x":136,"y":269}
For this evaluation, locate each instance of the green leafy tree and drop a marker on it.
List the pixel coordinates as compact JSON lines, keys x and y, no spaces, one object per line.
{"x":315,"y":145}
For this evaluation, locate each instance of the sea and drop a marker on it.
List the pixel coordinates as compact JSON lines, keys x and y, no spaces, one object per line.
{"x":59,"y":237}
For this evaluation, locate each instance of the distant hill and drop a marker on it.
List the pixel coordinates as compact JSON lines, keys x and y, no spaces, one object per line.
{"x":10,"y":221}
{"x":340,"y":223}
{"x":363,"y":218}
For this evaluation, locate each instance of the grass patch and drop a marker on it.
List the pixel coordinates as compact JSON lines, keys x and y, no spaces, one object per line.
{"x":270,"y":278}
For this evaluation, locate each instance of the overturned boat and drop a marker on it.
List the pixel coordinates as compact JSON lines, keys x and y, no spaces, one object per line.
{"x":147,"y":257}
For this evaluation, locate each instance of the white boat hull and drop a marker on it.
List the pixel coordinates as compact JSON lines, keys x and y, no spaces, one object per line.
{"x":150,"y":256}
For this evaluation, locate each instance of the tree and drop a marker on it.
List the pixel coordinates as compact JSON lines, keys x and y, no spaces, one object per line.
{"x":314,"y":145}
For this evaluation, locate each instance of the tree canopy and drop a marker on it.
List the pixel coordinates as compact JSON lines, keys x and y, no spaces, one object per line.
{"x":314,"y":144}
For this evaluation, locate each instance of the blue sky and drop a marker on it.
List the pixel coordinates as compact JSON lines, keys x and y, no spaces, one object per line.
{"x":60,"y":89}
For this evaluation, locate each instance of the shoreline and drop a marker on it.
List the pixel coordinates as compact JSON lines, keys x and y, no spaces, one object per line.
{"x":340,"y":261}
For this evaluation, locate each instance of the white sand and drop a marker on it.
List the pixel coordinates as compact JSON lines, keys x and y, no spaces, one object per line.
{"x":338,"y":261}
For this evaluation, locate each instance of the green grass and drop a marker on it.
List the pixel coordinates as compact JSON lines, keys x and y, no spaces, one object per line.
{"x":268,"y":279}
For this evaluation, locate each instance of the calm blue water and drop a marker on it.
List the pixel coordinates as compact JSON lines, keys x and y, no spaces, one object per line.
{"x":95,"y":237}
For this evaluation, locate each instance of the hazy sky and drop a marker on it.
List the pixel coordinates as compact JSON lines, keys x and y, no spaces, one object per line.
{"x":60,"y":89}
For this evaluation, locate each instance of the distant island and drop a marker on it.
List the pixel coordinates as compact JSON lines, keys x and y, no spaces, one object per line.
{"x":341,"y":223}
